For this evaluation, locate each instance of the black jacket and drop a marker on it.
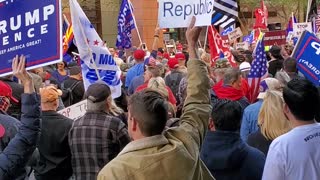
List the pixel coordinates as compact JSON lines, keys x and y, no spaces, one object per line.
{"x":275,"y":66}
{"x":228,"y":157}
{"x":257,"y":140}
{"x":77,"y":90}
{"x":55,"y":155}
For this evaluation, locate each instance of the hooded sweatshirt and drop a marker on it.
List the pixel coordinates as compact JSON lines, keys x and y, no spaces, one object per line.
{"x":228,"y":157}
{"x":222,"y":91}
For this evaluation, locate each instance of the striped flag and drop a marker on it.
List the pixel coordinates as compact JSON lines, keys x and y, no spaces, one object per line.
{"x":259,"y":70}
{"x":225,"y":13}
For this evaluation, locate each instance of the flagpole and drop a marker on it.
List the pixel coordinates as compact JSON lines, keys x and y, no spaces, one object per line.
{"x":308,"y":9}
{"x":206,"y":39}
{"x":66,"y":19}
{"x":90,"y":52}
{"x":134,"y":20}
{"x":200,"y":45}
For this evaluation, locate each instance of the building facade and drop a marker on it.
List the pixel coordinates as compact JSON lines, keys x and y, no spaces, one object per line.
{"x":103,"y":14}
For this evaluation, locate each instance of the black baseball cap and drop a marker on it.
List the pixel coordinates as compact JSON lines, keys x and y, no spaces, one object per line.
{"x":98,"y":92}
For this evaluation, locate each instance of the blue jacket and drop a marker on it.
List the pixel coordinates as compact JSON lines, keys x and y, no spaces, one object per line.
{"x":228,"y":157}
{"x":16,"y":155}
{"x":136,"y":70}
{"x":11,"y":126}
{"x":250,"y":120}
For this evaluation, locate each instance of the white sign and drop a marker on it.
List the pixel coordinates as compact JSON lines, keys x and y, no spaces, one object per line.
{"x":178,"y":13}
{"x":242,"y":45}
{"x":166,"y":37}
{"x":235,"y":34}
{"x":75,"y":111}
{"x":298,"y":28}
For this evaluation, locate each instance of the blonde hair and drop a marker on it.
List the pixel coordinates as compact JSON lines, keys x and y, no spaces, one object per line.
{"x":272,"y":120}
{"x":113,"y":108}
{"x":158,"y":84}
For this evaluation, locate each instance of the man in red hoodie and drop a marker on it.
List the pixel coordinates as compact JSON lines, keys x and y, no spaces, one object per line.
{"x":230,"y":87}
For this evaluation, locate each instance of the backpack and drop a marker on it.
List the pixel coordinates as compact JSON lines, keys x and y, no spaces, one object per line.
{"x":67,"y":93}
{"x":173,"y":82}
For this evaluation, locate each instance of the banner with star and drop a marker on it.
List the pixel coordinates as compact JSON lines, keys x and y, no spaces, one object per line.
{"x":32,"y":29}
{"x":97,"y":62}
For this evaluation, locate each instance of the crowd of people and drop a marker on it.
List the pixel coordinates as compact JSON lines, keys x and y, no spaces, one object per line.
{"x":179,"y":117}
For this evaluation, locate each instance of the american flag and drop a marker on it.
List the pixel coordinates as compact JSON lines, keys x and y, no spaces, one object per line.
{"x":259,"y":70}
{"x":225,"y":13}
{"x":125,"y":25}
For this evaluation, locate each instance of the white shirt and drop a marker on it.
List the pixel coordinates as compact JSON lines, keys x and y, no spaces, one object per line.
{"x":295,"y":155}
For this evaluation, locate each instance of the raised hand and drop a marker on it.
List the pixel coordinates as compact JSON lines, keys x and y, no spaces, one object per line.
{"x":192,"y":36}
{"x":19,"y":70}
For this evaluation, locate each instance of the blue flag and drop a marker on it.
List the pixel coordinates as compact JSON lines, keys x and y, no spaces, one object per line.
{"x":125,"y":26}
{"x":307,"y":52}
{"x":97,"y":62}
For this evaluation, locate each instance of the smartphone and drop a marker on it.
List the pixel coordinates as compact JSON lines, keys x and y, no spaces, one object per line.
{"x":144,"y":46}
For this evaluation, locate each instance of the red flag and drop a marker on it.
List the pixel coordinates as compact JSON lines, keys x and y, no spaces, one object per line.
{"x":260,"y":19}
{"x":214,"y":48}
{"x":217,"y":46}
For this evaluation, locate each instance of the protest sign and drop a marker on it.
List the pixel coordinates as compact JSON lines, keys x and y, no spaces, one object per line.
{"x":243,"y":45}
{"x":235,"y":34}
{"x":298,"y":28}
{"x":227,"y":31}
{"x":75,"y":111}
{"x":275,"y":38}
{"x":178,"y":13}
{"x":166,"y":37}
{"x":32,"y":29}
{"x":307,"y":54}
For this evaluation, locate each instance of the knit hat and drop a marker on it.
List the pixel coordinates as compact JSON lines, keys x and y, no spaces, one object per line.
{"x":245,"y":66}
{"x":268,"y":84}
{"x":49,"y":93}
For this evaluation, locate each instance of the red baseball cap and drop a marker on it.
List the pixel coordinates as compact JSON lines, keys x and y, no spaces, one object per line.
{"x":5,"y":90}
{"x":139,"y":54}
{"x":2,"y":131}
{"x":159,"y":54}
{"x":179,"y":47}
{"x":180,"y":56}
{"x":173,"y":63}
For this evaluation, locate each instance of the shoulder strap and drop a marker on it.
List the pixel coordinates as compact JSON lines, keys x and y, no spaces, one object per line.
{"x":74,"y":85}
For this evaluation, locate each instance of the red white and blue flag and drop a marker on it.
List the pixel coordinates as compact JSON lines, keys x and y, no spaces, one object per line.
{"x":259,"y":70}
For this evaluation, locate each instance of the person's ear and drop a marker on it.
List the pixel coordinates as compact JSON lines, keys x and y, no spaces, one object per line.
{"x":286,"y":110}
{"x":134,"y":125}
